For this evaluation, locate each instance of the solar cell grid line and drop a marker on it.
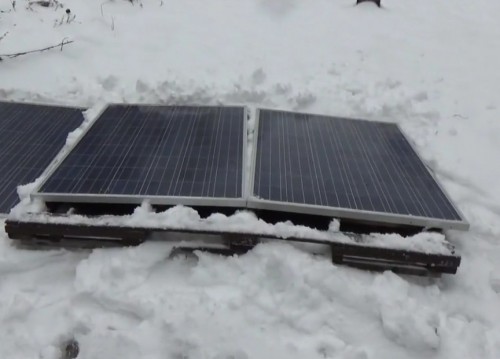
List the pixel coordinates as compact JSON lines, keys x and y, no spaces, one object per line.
{"x":339,"y":183}
{"x":183,"y":145}
{"x":312,"y":165}
{"x":286,"y":160}
{"x":17,"y":137}
{"x":27,"y":132}
{"x":346,"y":168}
{"x":198,"y":158}
{"x":117,"y":167}
{"x":380,"y":186}
{"x":279,"y":161}
{"x":186,"y":146}
{"x":342,"y":149}
{"x":330,"y":171}
{"x":384,"y":202}
{"x":156,"y":158}
{"x":373,"y":183}
{"x":336,"y":150}
{"x":216,"y":152}
{"x":123,"y":149}
{"x":300,"y":167}
{"x":367,"y":202}
{"x":92,"y":166}
{"x":416,"y":203}
{"x":398,"y":168}
{"x":291,"y":173}
{"x":210,"y":155}
{"x":102,"y":169}
{"x":192,"y":155}
{"x":438,"y":204}
{"x":153,"y":186}
{"x":108,"y":156}
{"x":449,"y":207}
{"x":31,"y":135}
{"x":85,"y":163}
{"x":344,"y":153}
{"x":317,"y":168}
{"x":226,"y":172}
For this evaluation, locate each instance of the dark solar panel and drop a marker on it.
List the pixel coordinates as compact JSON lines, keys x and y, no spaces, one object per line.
{"x":346,"y":164}
{"x":156,"y":151}
{"x":30,"y":137}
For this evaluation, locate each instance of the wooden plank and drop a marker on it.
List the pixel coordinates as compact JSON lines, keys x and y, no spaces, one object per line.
{"x":57,"y":230}
{"x":359,"y":255}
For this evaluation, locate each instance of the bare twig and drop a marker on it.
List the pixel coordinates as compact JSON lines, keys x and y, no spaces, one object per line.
{"x":112,"y":17}
{"x":67,"y":18}
{"x":102,"y":6}
{"x":61,"y":45}
{"x":4,"y":36}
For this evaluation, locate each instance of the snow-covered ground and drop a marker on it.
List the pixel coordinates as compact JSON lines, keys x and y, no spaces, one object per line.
{"x":430,"y":65}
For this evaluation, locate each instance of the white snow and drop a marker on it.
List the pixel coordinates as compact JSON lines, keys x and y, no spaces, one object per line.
{"x":431,"y":66}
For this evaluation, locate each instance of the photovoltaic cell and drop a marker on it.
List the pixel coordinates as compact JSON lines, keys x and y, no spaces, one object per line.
{"x":30,"y":137}
{"x":351,"y":165}
{"x":156,"y":151}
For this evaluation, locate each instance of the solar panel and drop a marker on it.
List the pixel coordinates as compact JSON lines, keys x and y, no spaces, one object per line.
{"x":346,"y":168}
{"x":167,"y":154}
{"x":30,"y":137}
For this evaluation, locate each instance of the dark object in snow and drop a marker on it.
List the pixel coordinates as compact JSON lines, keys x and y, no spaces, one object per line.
{"x":68,"y":11}
{"x":4,"y":35}
{"x":71,"y":349}
{"x":377,"y":2}
{"x":41,"y":3}
{"x":44,"y":3}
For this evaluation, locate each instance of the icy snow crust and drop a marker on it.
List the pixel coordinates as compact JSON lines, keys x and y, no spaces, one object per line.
{"x":431,"y":66}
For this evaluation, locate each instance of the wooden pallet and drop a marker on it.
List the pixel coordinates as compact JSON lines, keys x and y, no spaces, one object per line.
{"x":356,"y":254}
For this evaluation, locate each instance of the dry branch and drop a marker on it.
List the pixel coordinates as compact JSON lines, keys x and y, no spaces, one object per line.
{"x":61,"y":45}
{"x":4,"y":35}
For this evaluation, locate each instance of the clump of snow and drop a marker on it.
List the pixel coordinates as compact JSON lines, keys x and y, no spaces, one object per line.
{"x":90,"y":115}
{"x":27,"y":204}
{"x":403,"y":320}
{"x":334,"y":225}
